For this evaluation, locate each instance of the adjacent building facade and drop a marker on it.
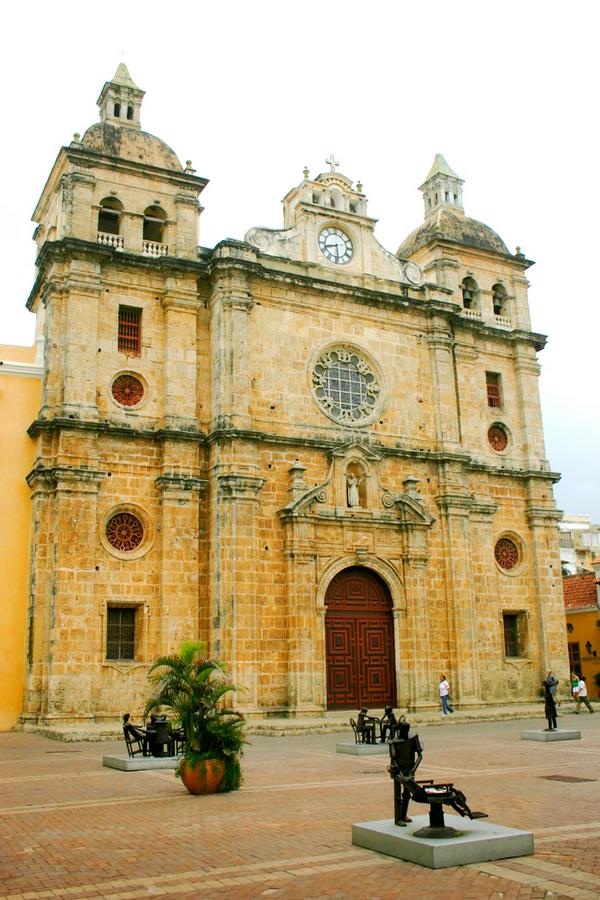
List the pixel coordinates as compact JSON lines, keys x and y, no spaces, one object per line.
{"x":21,"y":372}
{"x":582,"y":609}
{"x":324,"y":459}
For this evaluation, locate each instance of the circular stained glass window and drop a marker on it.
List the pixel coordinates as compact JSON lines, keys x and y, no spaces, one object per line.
{"x":498,"y":438}
{"x":124,"y":532}
{"x":127,"y":390}
{"x":506,"y":553}
{"x":345,"y":386}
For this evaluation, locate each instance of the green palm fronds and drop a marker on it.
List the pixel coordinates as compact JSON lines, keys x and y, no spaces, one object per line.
{"x":193,"y":687}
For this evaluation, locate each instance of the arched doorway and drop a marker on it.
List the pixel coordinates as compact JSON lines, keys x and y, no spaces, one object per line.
{"x":359,"y":637}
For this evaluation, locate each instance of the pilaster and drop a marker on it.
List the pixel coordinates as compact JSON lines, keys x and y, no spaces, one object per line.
{"x":234,"y":578}
{"x":441,"y":344}
{"x":231,"y":303}
{"x":180,"y":570}
{"x":180,"y":306}
{"x":455,"y":508}
{"x":83,"y":289}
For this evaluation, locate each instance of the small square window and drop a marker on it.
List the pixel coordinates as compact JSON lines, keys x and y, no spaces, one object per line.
{"x":494,"y":391}
{"x":120,"y":632}
{"x":515,"y":634}
{"x":130,"y":330}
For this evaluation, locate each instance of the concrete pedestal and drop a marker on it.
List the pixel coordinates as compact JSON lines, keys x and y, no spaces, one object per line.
{"x":561,"y":734}
{"x":139,"y":763}
{"x":362,"y":749}
{"x":480,"y":841}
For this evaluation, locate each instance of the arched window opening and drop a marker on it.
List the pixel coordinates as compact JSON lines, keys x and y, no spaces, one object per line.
{"x":109,"y":215}
{"x":499,"y":298}
{"x":356,"y":486}
{"x":117,"y":110}
{"x":130,"y":113}
{"x":154,"y":224}
{"x":470,"y":293}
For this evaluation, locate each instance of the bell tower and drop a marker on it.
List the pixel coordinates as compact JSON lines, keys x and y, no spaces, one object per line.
{"x":442,"y":189}
{"x":120,"y":100}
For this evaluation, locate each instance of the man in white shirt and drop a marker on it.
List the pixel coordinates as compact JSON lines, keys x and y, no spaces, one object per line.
{"x":582,"y":695}
{"x":445,"y":695}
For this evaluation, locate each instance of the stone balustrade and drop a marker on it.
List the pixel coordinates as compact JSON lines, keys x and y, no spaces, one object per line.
{"x":111,"y":240}
{"x":153,"y":248}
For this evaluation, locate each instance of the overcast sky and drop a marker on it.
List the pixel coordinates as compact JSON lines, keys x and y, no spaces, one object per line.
{"x":253,"y":92}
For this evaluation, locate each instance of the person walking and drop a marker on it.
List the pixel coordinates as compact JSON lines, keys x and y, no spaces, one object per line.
{"x":445,"y":695}
{"x":574,"y":685}
{"x":582,"y":695}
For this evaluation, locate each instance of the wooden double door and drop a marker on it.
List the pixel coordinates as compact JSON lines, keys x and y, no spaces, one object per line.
{"x":359,"y":633}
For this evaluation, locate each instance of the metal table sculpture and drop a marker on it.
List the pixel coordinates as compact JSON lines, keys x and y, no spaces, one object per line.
{"x":365,"y":726}
{"x":388,"y":724}
{"x":406,"y":754}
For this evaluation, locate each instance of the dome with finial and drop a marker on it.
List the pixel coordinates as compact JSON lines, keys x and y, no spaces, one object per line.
{"x":119,"y":132}
{"x":445,"y":216}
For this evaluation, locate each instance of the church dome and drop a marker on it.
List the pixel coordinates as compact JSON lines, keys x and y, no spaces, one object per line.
{"x":449,"y":226}
{"x":130,"y":143}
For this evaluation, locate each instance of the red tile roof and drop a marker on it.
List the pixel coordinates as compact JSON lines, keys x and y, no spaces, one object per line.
{"x":580,"y":591}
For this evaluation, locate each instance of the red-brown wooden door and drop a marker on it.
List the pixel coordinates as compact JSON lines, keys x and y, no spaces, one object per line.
{"x":359,"y":637}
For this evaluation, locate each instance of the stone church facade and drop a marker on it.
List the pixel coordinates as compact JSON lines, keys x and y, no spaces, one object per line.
{"x":324,"y":459}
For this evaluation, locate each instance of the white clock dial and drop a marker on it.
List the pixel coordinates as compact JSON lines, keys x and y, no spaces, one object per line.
{"x":335,"y":245}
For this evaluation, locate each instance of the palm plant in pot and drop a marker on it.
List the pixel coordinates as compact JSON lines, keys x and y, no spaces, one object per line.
{"x":193,"y":687}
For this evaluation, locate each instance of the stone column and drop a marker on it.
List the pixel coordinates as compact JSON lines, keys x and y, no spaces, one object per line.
{"x":64,"y":620}
{"x":179,"y":560}
{"x":305,"y":635}
{"x":180,"y":304}
{"x":79,"y":217}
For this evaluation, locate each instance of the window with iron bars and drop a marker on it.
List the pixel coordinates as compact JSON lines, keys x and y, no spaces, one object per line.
{"x":120,"y":632}
{"x":130,"y":330}
{"x":494,"y":394}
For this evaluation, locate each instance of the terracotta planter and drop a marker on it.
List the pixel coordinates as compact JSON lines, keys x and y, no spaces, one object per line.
{"x":203,"y":778}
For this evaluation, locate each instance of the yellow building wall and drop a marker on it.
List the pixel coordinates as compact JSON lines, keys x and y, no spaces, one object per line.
{"x":19,"y":403}
{"x":586,"y":631}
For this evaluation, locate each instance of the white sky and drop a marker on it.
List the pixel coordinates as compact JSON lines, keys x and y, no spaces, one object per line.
{"x":252,"y":92}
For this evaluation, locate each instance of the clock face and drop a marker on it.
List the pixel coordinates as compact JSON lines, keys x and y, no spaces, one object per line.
{"x":335,"y":245}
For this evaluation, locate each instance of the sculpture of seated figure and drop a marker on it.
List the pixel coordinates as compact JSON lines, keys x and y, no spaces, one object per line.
{"x":365,"y":725}
{"x":387,"y":724}
{"x":406,"y":754}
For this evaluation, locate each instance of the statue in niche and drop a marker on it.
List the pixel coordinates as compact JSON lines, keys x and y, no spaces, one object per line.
{"x":352,"y":495}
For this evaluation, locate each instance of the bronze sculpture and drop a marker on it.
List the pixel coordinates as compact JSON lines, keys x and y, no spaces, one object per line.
{"x":406,"y":754}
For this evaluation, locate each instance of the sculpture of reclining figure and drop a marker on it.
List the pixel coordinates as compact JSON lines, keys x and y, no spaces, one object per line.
{"x":406,"y":754}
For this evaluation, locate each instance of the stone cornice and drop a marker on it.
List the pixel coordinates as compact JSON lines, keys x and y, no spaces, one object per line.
{"x":240,"y":486}
{"x":50,"y":478}
{"x":172,"y":481}
{"x":52,"y":251}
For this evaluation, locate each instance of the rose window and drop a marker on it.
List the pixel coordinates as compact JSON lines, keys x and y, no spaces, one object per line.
{"x":506,"y":553}
{"x":124,"y":532}
{"x":345,"y":386}
{"x":497,"y":438}
{"x":127,"y":390}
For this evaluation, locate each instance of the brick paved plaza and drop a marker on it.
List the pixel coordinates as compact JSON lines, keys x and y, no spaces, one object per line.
{"x":71,"y":828}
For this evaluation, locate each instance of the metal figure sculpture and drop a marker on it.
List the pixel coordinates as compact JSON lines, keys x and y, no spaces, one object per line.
{"x":406,"y":754}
